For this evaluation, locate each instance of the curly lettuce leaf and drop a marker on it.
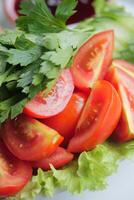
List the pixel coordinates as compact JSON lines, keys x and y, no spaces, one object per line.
{"x":89,"y":171}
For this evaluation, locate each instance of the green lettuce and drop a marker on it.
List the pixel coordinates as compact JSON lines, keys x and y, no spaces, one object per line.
{"x":89,"y":171}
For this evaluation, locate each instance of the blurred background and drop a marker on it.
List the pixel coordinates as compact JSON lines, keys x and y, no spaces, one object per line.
{"x":8,"y":10}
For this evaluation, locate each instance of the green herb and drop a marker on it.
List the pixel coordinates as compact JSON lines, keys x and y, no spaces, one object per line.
{"x":8,"y":37}
{"x":32,"y":58}
{"x":39,"y":19}
{"x":60,"y":57}
{"x":65,"y":9}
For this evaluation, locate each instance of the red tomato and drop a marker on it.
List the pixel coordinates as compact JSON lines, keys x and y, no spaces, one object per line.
{"x":121,"y":75}
{"x":10,"y":9}
{"x":55,"y":102}
{"x":14,"y":173}
{"x":65,"y":122}
{"x":98,"y":119}
{"x":93,"y":59}
{"x":58,"y":159}
{"x":29,"y":139}
{"x":86,"y":91}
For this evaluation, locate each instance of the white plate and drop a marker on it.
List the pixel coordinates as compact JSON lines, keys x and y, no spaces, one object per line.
{"x":121,"y":184}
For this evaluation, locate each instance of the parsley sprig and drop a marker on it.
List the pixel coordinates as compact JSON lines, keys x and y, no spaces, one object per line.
{"x":39,"y":19}
{"x":33,"y":55}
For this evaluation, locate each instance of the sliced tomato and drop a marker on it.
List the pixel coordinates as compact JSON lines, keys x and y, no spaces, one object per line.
{"x":14,"y":173}
{"x":65,"y":122}
{"x":98,"y":119}
{"x":58,"y":159}
{"x":121,"y":75}
{"x":29,"y":139}
{"x":86,"y":92}
{"x":55,"y":102}
{"x":93,"y":59}
{"x":10,"y":9}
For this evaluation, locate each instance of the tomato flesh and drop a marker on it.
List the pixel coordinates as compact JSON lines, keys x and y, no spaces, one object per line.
{"x":58,"y":159}
{"x":55,"y":102}
{"x":98,"y":119}
{"x":14,"y":173}
{"x":93,"y":59}
{"x":121,"y":75}
{"x":29,"y":139}
{"x":65,"y":122}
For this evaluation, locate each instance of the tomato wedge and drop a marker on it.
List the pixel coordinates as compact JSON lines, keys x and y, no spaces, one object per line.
{"x":14,"y":173}
{"x":65,"y":122}
{"x":10,"y":9}
{"x":93,"y":59}
{"x":98,"y":119}
{"x":55,"y":102}
{"x":29,"y":139}
{"x":121,"y":75}
{"x":58,"y":159}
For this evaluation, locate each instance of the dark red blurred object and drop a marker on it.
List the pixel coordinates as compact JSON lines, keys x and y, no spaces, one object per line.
{"x":84,"y":9}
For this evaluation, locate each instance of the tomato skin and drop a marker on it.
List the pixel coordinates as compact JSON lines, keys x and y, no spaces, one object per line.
{"x":121,"y":75}
{"x":29,"y":139}
{"x":58,"y":159}
{"x":93,"y":59}
{"x":65,"y":122}
{"x":86,"y":91}
{"x":10,"y":10}
{"x":45,"y":107}
{"x":15,"y":173}
{"x":98,"y":119}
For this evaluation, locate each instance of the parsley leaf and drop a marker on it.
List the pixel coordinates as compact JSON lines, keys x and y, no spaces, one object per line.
{"x":18,"y":108}
{"x":46,"y":67}
{"x":25,"y":7}
{"x":2,"y":64}
{"x":23,"y":57}
{"x":26,"y":77}
{"x":39,"y":19}
{"x":59,"y":57}
{"x":23,"y":43}
{"x":50,"y":41}
{"x":8,"y":37}
{"x":72,"y":38}
{"x":25,"y":52}
{"x":65,"y":39}
{"x":65,"y":9}
{"x":11,"y":107}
